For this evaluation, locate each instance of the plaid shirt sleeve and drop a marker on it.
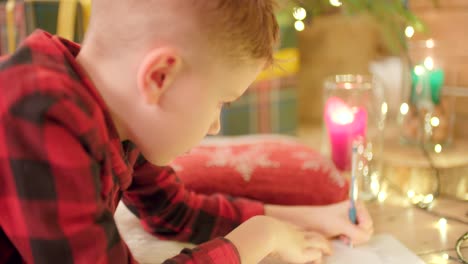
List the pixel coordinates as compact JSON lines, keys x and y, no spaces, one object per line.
{"x":219,"y":250}
{"x":168,"y":210}
{"x":50,"y":197}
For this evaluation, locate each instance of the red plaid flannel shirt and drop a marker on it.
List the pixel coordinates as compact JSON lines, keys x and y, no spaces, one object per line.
{"x":63,"y":171}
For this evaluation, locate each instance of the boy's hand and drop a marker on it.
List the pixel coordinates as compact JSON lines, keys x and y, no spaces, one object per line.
{"x":262,"y":235}
{"x":298,"y":246}
{"x":330,"y":220}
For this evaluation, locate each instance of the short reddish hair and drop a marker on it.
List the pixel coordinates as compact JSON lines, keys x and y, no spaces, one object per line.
{"x":241,"y":29}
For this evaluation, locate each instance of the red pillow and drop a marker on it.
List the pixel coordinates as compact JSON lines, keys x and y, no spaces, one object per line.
{"x":272,"y":169}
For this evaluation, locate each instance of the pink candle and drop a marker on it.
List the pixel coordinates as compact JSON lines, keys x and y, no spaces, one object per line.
{"x":344,"y":124}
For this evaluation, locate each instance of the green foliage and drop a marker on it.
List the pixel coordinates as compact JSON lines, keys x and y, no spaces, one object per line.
{"x":392,"y":15}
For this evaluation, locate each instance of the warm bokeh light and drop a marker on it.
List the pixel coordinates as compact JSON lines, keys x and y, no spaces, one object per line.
{"x":429,"y":63}
{"x":438,"y":148}
{"x":428,"y":199}
{"x":336,"y":3}
{"x":299,"y":13}
{"x":348,"y":85}
{"x":299,"y":25}
{"x":404,"y":108}
{"x":409,"y":31}
{"x":419,"y":70}
{"x":435,"y":121}
{"x":382,"y":196}
{"x":384,"y":108}
{"x":442,"y":223}
{"x":430,"y":43}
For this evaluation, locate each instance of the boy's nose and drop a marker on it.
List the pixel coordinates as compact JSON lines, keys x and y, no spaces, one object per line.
{"x":215,"y":127}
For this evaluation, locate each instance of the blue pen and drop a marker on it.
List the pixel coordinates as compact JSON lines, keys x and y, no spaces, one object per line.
{"x":352,"y":187}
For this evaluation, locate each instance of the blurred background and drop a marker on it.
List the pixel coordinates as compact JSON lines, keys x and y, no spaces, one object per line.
{"x":319,"y":38}
{"x":416,"y":53}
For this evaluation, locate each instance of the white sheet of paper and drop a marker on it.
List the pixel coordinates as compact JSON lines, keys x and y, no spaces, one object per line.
{"x":381,"y":249}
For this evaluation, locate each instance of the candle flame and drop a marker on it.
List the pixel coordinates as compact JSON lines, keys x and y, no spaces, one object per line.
{"x":342,"y":116}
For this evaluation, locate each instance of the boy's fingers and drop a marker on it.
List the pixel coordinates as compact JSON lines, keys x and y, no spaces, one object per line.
{"x":367,"y":228}
{"x":363,"y":216}
{"x":318,"y":261}
{"x":344,"y":239}
{"x":318,"y":241}
{"x":356,"y":234}
{"x":312,"y":255}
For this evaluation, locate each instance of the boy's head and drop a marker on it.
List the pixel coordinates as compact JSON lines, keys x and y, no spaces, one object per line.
{"x":165,"y":68}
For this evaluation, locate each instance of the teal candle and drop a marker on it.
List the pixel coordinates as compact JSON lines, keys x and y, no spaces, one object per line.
{"x":436,"y":81}
{"x":428,"y":79}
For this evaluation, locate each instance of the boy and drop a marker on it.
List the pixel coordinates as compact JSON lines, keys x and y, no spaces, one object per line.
{"x":150,"y":78}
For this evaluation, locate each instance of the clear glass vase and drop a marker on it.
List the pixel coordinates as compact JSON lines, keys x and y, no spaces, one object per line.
{"x":426,"y":114}
{"x":354,"y":114}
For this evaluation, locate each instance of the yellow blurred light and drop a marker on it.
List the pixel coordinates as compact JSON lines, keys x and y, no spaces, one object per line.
{"x":384,"y":108}
{"x":404,"y":108}
{"x":299,"y":25}
{"x":430,"y":43}
{"x":435,"y":121}
{"x":438,"y":148}
{"x":417,"y":199}
{"x":410,"y":194}
{"x":409,"y":31}
{"x":428,"y":199}
{"x":336,"y":3}
{"x":442,"y":223}
{"x":375,"y":186}
{"x":299,"y":13}
{"x":382,"y":196}
{"x":419,"y":70}
{"x":429,"y":63}
{"x":348,"y":86}
{"x":445,"y":256}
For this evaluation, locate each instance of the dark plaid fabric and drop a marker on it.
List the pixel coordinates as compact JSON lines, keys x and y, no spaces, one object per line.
{"x":269,"y":106}
{"x":223,"y":254}
{"x":63,"y":171}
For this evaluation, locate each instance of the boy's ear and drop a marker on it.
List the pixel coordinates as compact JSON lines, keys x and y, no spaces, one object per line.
{"x":157,"y":72}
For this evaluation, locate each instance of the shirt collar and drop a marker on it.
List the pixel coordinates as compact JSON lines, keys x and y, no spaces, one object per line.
{"x":69,"y":50}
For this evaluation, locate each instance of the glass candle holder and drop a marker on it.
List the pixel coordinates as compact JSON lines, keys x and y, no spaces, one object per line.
{"x":426,"y":116}
{"x":354,"y":114}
